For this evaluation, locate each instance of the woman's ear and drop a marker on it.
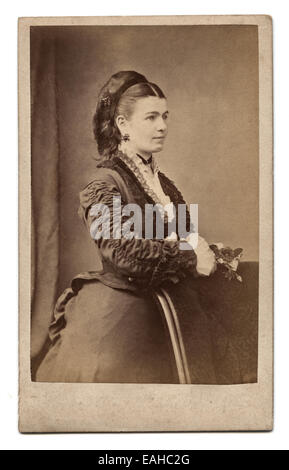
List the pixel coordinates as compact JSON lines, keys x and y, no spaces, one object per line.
{"x":120,"y":122}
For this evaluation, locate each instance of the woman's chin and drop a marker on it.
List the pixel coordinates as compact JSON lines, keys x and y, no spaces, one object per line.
{"x":158,"y":147}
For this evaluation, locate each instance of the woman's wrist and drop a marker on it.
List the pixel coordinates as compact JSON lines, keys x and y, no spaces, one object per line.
{"x":206,"y":261}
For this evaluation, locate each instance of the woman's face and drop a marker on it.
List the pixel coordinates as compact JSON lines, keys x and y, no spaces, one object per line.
{"x":147,"y":126}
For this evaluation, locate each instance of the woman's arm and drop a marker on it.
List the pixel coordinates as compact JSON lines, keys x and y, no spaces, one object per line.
{"x":150,"y":261}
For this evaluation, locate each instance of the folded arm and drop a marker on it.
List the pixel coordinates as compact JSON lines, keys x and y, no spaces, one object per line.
{"x":149,"y":261}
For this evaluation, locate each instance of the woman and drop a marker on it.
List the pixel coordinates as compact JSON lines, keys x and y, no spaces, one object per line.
{"x":110,"y":326}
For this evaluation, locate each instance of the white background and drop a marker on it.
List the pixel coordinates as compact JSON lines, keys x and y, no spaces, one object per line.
{"x":10,"y":438}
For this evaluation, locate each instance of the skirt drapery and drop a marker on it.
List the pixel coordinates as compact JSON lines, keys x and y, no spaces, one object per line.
{"x":118,"y":336}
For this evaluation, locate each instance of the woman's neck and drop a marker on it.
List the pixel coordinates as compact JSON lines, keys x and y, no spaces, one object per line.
{"x":143,"y":154}
{"x":131,"y":150}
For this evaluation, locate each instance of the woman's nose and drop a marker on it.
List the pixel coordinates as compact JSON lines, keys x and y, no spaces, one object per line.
{"x":161,"y":125}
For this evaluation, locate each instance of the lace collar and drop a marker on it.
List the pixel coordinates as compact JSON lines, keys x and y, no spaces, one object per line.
{"x":125,"y":150}
{"x":134,"y":163}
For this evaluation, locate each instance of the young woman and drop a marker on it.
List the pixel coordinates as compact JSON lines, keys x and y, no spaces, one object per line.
{"x":111,"y":325}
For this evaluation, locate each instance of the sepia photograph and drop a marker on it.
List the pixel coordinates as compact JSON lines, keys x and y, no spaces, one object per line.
{"x":146,"y":200}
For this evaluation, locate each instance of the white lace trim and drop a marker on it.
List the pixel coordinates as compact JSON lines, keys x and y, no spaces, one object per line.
{"x":148,"y":179}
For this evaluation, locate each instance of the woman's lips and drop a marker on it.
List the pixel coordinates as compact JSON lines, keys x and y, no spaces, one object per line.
{"x":158,"y":138}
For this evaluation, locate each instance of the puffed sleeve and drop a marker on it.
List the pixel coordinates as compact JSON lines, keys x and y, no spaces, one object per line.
{"x":150,"y":262}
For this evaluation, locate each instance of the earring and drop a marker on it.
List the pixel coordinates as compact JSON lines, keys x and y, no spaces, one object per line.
{"x":125,"y":137}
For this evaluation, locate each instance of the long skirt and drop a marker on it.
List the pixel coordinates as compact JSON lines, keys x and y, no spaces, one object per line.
{"x":117,"y":336}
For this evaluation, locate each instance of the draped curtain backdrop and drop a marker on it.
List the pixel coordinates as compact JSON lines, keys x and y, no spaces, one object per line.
{"x":45,"y":195}
{"x":210,"y":77}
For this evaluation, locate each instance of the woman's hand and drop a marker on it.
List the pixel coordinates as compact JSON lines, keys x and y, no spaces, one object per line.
{"x":206,"y":260}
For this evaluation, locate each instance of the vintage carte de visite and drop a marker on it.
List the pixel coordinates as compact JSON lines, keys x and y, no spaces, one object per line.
{"x":146,"y":254}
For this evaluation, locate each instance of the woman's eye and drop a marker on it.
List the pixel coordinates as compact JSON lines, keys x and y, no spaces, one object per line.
{"x":153,"y":117}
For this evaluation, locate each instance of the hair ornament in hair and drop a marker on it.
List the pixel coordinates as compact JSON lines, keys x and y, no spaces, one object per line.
{"x":106,"y":101}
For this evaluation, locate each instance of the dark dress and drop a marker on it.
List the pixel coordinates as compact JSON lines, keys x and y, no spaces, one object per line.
{"x":109,"y":326}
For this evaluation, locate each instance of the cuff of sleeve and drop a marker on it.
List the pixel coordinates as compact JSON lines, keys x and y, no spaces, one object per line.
{"x":173,"y":261}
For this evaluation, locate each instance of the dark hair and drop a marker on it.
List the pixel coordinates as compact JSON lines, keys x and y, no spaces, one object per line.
{"x":116,"y":97}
